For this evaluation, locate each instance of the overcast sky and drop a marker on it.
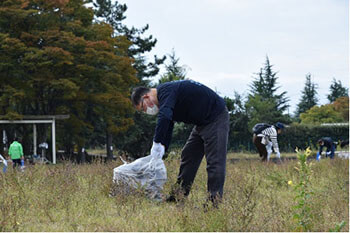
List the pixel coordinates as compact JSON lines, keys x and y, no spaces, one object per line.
{"x":225,"y":42}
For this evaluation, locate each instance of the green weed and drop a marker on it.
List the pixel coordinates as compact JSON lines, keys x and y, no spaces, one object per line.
{"x":257,"y":197}
{"x":303,"y":192}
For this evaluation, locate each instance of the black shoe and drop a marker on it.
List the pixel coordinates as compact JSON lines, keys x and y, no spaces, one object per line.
{"x":171,"y":198}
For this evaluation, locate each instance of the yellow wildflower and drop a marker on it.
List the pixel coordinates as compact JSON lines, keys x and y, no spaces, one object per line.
{"x":290,"y":182}
{"x":308,"y":152}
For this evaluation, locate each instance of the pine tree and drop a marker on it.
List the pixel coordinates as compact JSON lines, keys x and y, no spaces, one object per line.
{"x":337,"y":90}
{"x":173,"y":71}
{"x":308,"y":98}
{"x":264,"y":104}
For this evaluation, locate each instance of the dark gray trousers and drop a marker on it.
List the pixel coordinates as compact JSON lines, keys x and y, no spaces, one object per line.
{"x":209,"y":140}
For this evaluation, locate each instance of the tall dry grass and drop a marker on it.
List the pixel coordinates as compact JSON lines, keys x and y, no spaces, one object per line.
{"x":69,"y":197}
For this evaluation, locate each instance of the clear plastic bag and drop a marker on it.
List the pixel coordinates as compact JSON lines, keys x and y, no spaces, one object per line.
{"x":147,"y":172}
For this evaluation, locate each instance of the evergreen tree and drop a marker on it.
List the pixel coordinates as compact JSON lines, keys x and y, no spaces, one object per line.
{"x":265,"y":86}
{"x":308,"y":98}
{"x":337,"y":90}
{"x":264,"y":104}
{"x":173,"y":71}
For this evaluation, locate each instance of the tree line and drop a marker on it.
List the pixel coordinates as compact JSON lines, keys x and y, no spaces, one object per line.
{"x":77,"y":57}
{"x":263,"y":103}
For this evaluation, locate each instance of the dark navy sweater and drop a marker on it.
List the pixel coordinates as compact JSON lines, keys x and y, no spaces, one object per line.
{"x":185,"y":101}
{"x":328,"y":143}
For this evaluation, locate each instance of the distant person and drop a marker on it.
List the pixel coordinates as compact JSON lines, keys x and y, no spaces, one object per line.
{"x":265,"y":138}
{"x":193,"y":103}
{"x":329,"y":144}
{"x":344,"y":143}
{"x":3,"y":160}
{"x":16,"y":153}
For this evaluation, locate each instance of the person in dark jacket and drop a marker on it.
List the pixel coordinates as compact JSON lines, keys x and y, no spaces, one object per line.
{"x":344,"y":143}
{"x":329,"y":144}
{"x":193,"y":103}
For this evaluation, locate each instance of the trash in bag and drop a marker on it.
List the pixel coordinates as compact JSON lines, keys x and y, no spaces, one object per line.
{"x":147,"y":172}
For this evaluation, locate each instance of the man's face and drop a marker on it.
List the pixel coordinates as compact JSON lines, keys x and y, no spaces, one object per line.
{"x":144,"y":103}
{"x":279,"y":131}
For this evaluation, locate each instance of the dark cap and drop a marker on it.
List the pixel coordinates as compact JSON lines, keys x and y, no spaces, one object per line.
{"x":279,"y":125}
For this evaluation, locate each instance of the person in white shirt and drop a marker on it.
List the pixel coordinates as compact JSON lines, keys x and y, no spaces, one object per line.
{"x":267,"y":139}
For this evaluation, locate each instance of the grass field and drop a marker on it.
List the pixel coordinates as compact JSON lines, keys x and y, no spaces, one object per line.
{"x":69,"y":197}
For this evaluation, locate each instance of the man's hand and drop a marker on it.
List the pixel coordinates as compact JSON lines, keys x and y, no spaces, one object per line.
{"x":157,"y":150}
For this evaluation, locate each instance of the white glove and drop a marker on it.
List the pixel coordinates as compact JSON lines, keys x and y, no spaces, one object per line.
{"x":157,"y":150}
